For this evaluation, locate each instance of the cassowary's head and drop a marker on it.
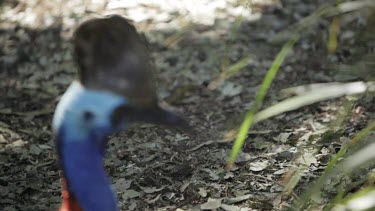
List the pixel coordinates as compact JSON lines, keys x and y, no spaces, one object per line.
{"x":115,"y":88}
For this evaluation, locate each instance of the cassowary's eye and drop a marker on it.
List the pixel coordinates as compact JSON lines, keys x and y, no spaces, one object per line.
{"x":88,"y":116}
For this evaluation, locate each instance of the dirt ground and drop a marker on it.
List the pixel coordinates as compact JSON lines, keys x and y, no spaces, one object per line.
{"x":155,"y":168}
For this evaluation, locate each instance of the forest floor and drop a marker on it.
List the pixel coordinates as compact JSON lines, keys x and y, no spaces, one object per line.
{"x":155,"y":168}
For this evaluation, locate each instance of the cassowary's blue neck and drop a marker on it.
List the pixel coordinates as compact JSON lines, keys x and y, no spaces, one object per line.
{"x":81,"y":123}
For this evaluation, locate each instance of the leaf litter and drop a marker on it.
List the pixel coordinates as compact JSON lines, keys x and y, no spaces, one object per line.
{"x":154,"y":168}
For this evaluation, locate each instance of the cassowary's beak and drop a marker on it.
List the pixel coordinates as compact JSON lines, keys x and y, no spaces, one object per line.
{"x":157,"y":115}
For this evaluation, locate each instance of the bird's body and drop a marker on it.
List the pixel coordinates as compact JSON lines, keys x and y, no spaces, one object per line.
{"x":115,"y":88}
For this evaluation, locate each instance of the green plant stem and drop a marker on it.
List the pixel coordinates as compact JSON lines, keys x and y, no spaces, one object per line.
{"x":249,"y":117}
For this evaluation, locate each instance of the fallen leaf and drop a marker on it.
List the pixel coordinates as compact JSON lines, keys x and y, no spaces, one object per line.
{"x":230,"y":89}
{"x":282,"y":137}
{"x":152,"y":189}
{"x":130,"y":194}
{"x":151,"y":201}
{"x":211,"y":204}
{"x":233,"y":208}
{"x":237,"y":199}
{"x":228,"y":175}
{"x":184,"y":186}
{"x":35,"y":150}
{"x":122,"y":185}
{"x":258,"y":165}
{"x":202,"y":192}
{"x":307,"y":159}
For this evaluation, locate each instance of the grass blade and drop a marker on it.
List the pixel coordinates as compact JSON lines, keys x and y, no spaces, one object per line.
{"x":319,"y":94}
{"x":249,"y":117}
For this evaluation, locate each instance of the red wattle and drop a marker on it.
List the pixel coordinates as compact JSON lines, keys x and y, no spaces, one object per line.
{"x":69,"y":203}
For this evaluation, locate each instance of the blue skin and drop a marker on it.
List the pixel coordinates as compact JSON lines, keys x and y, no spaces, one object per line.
{"x":81,"y":140}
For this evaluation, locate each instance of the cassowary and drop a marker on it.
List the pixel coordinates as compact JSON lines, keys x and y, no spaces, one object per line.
{"x":115,"y":88}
